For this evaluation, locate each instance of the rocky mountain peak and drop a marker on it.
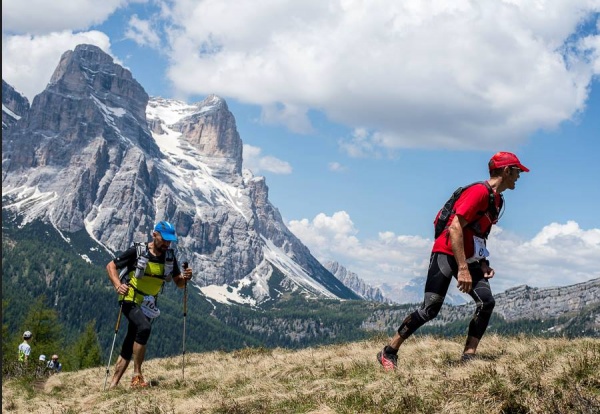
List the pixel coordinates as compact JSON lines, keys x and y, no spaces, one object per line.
{"x":90,"y":97}
{"x":88,"y":72}
{"x":207,"y":126}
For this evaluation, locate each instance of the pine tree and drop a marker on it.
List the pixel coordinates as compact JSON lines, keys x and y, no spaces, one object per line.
{"x":43,"y":323}
{"x":86,"y":351}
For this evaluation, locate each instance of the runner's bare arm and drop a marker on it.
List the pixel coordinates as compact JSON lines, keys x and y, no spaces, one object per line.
{"x":455,"y":230}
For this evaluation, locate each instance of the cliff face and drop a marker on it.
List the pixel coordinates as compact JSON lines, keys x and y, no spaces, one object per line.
{"x":14,"y":106}
{"x":522,"y":302}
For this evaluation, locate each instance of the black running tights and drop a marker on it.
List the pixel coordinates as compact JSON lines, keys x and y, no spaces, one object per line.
{"x":138,"y":329}
{"x":442,"y":268}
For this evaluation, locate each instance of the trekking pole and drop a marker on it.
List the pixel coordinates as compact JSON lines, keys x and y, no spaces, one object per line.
{"x":185,"y":266}
{"x":113,"y":343}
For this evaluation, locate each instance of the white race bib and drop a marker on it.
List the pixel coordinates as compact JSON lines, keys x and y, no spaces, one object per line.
{"x":480,"y":251}
{"x":149,"y":307}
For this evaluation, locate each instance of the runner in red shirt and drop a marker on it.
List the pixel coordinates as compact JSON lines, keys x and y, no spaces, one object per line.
{"x":469,"y":206}
{"x":460,"y":252}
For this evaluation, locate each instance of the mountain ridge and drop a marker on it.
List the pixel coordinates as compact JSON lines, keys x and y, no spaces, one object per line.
{"x":516,"y":304}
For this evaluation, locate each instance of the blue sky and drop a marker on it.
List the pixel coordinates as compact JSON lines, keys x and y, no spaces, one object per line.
{"x":365,"y":115}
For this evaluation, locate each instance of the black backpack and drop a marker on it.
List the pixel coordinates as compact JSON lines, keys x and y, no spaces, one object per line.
{"x":441,"y":219}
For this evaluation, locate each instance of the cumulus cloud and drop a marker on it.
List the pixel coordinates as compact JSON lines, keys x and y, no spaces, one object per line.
{"x":414,"y":74}
{"x":39,"y":17}
{"x":559,"y":255}
{"x":389,"y":258}
{"x":142,"y":32}
{"x":255,"y":162}
{"x":29,"y":61}
{"x":362,"y":144}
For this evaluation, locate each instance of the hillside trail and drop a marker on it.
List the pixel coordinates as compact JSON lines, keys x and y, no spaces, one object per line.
{"x":41,"y":377}
{"x":39,"y":384}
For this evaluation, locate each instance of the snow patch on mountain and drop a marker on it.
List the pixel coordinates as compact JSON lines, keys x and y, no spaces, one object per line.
{"x":9,"y":112}
{"x":29,"y":200}
{"x":228,"y":294}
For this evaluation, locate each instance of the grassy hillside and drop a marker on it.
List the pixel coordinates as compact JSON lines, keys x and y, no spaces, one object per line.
{"x":513,"y":375}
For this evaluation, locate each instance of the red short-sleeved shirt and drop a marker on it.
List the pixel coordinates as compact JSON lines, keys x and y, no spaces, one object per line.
{"x":473,"y":200}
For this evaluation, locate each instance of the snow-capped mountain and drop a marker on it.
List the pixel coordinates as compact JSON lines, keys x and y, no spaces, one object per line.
{"x":95,"y":153}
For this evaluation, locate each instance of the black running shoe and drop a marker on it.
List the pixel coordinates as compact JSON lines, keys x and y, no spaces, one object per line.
{"x":388,"y":361}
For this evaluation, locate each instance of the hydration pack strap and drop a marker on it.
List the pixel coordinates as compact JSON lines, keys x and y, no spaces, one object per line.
{"x":141,"y":249}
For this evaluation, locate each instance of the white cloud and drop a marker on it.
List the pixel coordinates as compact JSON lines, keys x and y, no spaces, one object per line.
{"x":142,"y":32}
{"x":336,"y":167}
{"x":361,"y":144}
{"x":559,"y":255}
{"x":293,"y":117}
{"x":28,"y":62}
{"x":390,"y":258}
{"x":417,"y":74}
{"x":255,"y":162}
{"x":37,"y":17}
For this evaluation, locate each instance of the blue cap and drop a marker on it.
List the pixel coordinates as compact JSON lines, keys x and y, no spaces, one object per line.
{"x":166,"y":230}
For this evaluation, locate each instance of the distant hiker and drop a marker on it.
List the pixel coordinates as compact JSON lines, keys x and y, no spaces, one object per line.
{"x":144,"y":268}
{"x":25,"y":348}
{"x":40,"y":370}
{"x":54,"y":365}
{"x":460,"y":251}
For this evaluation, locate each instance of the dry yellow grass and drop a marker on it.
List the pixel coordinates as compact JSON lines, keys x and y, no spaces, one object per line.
{"x":512,"y":375}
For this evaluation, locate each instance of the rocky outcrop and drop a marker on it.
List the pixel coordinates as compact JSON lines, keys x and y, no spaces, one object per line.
{"x":525,"y":302}
{"x":14,"y":106}
{"x":212,"y":130}
{"x":522,"y":302}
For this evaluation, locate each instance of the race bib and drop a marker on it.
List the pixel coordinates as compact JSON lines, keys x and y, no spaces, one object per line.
{"x":480,"y":251}
{"x":149,"y":307}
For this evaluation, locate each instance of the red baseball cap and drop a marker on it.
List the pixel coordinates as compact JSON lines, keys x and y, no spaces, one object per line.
{"x":506,"y":159}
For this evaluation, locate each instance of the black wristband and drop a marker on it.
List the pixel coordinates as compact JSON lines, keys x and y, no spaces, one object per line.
{"x":486,"y":261}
